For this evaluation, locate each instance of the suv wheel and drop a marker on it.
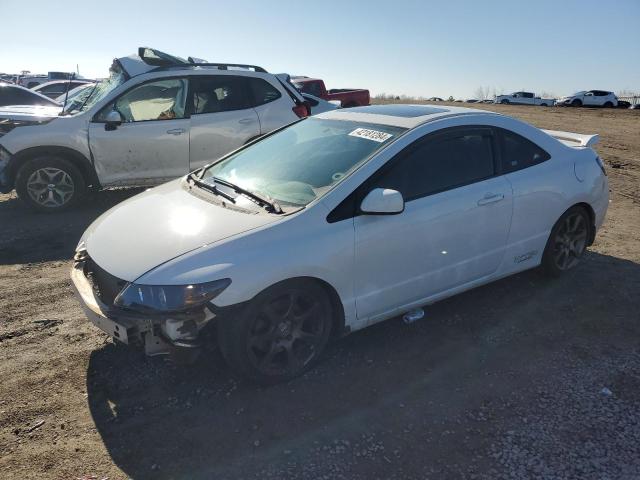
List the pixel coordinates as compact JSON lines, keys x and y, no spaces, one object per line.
{"x":504,"y":101}
{"x":576,"y":103}
{"x":49,"y":184}
{"x":608,"y":105}
{"x":280,"y":334}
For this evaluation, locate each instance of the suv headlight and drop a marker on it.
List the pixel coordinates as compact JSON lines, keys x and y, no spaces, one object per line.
{"x":169,"y":298}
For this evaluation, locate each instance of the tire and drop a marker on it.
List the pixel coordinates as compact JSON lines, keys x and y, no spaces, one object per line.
{"x":544,"y":105}
{"x":608,"y":105}
{"x":576,"y":103}
{"x":65,"y":186}
{"x":567,"y":242}
{"x":504,"y":102}
{"x":280,"y":334}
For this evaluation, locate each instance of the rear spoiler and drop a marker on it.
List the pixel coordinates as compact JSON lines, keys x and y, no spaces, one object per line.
{"x":574,"y":138}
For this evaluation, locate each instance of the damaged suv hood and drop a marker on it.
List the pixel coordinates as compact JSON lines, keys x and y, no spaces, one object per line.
{"x":160,"y":224}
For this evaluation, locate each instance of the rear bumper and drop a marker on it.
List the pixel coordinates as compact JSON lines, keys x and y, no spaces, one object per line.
{"x":158,"y":335}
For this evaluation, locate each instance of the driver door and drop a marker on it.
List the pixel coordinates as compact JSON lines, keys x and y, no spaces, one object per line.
{"x":151,"y":145}
{"x":453,"y":229}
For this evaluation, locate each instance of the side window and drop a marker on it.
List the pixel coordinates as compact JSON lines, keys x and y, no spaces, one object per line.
{"x":222,"y":93}
{"x":312,"y":88}
{"x":442,"y":163}
{"x":263,"y":92}
{"x":528,"y":95}
{"x":159,"y":100}
{"x":519,"y":152}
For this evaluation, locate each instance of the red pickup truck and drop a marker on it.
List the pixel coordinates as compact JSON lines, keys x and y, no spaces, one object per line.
{"x":347,"y":96}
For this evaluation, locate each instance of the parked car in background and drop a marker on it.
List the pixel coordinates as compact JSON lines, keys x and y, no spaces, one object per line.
{"x":336,"y":223}
{"x":57,"y":88}
{"x":16,"y":95}
{"x":524,"y":98}
{"x":318,"y":105}
{"x":590,"y":98}
{"x":31,"y":81}
{"x":156,"y":118}
{"x":347,"y":96}
{"x":472,"y":100}
{"x":435,"y":99}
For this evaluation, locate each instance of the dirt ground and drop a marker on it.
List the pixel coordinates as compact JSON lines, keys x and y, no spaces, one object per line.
{"x":523,"y":378}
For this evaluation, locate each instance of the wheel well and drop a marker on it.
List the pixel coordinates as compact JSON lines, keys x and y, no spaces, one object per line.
{"x":592,"y":220}
{"x":79,"y":160}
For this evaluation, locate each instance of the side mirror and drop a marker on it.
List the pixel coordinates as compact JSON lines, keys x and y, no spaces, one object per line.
{"x":113,"y":120}
{"x":382,"y":201}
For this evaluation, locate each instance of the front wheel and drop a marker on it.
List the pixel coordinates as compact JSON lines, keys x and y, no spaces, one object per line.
{"x":280,"y":334}
{"x":576,"y":103}
{"x":504,"y":102}
{"x":567,"y":242}
{"x":49,"y":184}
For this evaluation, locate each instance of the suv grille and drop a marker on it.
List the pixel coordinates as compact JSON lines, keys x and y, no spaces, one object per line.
{"x":105,"y":285}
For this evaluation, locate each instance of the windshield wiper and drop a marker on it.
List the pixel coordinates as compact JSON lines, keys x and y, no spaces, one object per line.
{"x":264,"y":200}
{"x":207,"y":186}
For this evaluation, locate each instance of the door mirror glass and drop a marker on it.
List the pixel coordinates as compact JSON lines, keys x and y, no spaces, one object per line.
{"x":382,"y":201}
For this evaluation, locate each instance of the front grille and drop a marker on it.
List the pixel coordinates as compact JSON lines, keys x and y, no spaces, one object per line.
{"x":105,"y":285}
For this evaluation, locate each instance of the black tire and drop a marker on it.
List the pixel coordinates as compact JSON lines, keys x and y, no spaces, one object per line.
{"x":567,"y":242}
{"x":608,"y":105}
{"x":65,"y":188}
{"x":504,"y":101}
{"x":280,"y":334}
{"x":544,"y":105}
{"x":576,"y":103}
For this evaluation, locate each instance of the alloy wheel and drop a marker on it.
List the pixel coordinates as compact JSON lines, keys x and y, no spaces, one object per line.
{"x":50,"y":187}
{"x":287,"y":334}
{"x":570,"y":241}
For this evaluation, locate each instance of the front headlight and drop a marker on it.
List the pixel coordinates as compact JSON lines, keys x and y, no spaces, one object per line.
{"x":169,"y":298}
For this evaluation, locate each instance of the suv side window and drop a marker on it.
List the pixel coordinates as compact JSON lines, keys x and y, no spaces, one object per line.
{"x":263,"y":92}
{"x":440,"y":163}
{"x":220,"y":93}
{"x":519,"y":152}
{"x":157,"y":100}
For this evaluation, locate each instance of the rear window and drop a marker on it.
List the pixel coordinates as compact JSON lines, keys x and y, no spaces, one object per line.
{"x":262,"y":91}
{"x":519,"y":152}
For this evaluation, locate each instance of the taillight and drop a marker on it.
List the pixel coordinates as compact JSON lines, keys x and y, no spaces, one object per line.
{"x":601,"y":165}
{"x":302,"y":110}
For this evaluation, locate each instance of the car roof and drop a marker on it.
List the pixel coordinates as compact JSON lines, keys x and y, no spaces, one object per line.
{"x":400,"y":115}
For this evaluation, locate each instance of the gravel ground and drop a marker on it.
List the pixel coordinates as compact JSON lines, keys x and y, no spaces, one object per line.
{"x":524,"y":378}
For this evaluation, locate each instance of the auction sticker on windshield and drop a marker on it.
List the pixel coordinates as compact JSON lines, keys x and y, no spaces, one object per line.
{"x":374,"y":135}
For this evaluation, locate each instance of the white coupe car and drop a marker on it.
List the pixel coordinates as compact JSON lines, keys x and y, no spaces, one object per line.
{"x":335,"y":223}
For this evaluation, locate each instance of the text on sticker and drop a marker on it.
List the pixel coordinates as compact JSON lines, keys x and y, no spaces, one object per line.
{"x":374,"y":135}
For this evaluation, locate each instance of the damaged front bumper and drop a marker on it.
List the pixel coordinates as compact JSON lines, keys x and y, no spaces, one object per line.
{"x":158,"y":334}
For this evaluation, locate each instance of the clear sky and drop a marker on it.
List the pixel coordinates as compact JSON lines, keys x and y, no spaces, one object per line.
{"x":422,"y":48}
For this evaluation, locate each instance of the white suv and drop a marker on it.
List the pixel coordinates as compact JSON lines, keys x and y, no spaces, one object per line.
{"x":591,"y":98}
{"x":155,"y":118}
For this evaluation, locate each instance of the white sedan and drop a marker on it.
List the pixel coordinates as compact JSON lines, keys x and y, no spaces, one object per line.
{"x":335,"y":223}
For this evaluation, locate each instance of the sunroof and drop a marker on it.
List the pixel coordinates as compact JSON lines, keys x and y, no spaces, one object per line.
{"x":406,"y":111}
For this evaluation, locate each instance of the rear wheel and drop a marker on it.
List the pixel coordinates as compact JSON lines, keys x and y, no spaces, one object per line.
{"x":567,"y":242}
{"x":280,"y":334}
{"x":49,"y":184}
{"x":608,"y":105}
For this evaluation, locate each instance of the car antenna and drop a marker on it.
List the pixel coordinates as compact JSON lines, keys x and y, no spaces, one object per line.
{"x":66,"y":94}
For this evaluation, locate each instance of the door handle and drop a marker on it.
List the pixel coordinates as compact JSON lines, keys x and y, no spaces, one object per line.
{"x":245,"y":121}
{"x":490,"y":198}
{"x":176,"y":131}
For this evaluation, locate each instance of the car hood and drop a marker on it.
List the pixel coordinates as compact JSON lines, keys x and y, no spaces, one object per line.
{"x":29,"y":112}
{"x":161,"y":224}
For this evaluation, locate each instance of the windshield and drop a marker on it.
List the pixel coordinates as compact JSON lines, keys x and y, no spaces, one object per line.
{"x":302,"y":162}
{"x":89,"y":97}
